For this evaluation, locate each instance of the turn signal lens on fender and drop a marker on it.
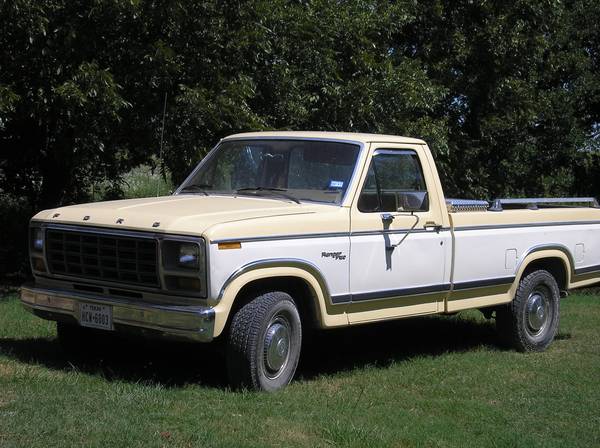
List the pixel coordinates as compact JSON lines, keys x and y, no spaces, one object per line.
{"x":225,"y":246}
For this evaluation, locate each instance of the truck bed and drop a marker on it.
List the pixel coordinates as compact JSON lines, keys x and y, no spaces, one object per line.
{"x":487,"y":243}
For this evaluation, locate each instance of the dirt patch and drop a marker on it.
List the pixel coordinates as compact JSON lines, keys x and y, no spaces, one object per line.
{"x":6,"y":370}
{"x":290,"y":433}
{"x":331,"y":387}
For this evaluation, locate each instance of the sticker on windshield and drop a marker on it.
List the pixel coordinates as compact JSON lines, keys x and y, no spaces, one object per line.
{"x":336,"y":184}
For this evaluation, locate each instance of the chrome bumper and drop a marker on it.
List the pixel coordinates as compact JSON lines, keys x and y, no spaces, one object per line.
{"x":188,"y":322}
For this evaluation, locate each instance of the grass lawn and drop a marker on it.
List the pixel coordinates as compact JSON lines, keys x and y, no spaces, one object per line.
{"x":417,"y":382}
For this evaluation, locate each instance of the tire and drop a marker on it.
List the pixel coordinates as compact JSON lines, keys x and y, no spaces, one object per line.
{"x":530,"y":322}
{"x":264,"y":343}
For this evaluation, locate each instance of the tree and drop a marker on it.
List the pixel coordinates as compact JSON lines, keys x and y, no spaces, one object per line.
{"x":523,"y":91}
{"x":506,"y":93}
{"x":253,"y":65}
{"x":61,"y":126}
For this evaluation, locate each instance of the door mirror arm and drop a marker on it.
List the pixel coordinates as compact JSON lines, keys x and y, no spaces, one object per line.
{"x":387,"y":219}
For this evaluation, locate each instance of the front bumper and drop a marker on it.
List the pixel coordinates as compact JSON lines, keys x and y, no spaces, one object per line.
{"x":194,"y":323}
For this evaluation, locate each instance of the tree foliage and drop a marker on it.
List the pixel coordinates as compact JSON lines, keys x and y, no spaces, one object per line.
{"x":506,"y":93}
{"x":523,"y":91}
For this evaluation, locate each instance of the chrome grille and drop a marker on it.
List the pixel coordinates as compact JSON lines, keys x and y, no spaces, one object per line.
{"x":111,"y":258}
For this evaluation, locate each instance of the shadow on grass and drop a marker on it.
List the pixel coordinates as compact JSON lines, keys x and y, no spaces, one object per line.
{"x":114,"y":358}
{"x":173,"y":364}
{"x":386,"y":343}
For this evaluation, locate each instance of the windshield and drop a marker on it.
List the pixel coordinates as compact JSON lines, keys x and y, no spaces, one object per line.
{"x":296,"y":170}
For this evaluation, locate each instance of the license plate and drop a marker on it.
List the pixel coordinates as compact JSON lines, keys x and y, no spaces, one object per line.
{"x":95,"y":316}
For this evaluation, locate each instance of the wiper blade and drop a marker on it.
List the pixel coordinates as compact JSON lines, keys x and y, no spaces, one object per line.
{"x":261,"y":189}
{"x":197,"y":188}
{"x":268,"y":190}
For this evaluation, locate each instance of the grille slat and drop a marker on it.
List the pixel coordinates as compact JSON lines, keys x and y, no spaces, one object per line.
{"x":117,"y":258}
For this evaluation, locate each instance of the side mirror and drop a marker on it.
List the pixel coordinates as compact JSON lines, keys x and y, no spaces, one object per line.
{"x":387,"y":218}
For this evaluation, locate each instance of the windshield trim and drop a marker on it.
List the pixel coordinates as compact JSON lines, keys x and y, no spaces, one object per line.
{"x":353,"y":177}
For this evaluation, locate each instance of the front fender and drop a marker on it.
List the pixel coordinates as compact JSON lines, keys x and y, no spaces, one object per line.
{"x":265,"y":269}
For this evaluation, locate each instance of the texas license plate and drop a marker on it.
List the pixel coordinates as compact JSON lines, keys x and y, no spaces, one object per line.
{"x":95,"y":316}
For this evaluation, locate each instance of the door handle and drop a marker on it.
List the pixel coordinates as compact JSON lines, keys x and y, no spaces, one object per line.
{"x":431,"y":225}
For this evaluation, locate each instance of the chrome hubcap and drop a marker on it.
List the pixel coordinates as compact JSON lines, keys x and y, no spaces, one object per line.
{"x":537,"y":311}
{"x":277,"y":346}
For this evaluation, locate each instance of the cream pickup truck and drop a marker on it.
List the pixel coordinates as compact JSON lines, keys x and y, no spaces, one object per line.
{"x":276,"y":233}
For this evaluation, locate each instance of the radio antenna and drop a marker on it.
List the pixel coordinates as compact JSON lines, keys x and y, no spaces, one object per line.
{"x":160,"y":156}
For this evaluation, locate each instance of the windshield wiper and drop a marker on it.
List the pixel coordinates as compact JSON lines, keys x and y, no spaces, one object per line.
{"x":268,"y":190}
{"x":196,"y":188}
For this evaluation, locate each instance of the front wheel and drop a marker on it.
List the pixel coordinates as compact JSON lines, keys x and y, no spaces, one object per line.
{"x":530,"y":322}
{"x":264,"y":343}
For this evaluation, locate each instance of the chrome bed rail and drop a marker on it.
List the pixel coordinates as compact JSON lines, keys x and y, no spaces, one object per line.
{"x":534,"y":203}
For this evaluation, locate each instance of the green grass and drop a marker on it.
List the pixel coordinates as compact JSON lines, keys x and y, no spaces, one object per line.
{"x":140,"y":182}
{"x":419,"y":382}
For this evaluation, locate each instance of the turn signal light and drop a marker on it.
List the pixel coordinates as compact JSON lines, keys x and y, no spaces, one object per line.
{"x":183,"y":283}
{"x":38,"y":264}
{"x":225,"y":246}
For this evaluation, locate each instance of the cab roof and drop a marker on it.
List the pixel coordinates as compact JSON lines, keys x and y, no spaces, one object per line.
{"x":349,"y":136}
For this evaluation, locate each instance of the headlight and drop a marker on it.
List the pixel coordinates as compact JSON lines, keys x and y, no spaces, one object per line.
{"x":189,"y":256}
{"x":184,"y":266}
{"x":37,"y":239}
{"x":36,"y":249}
{"x":183,"y":256}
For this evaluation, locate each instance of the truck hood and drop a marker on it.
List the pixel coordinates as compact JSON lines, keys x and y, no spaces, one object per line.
{"x":180,"y":214}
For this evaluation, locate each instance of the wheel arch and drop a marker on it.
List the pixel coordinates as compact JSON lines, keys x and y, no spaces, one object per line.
{"x":299,"y":278}
{"x":556,"y":259}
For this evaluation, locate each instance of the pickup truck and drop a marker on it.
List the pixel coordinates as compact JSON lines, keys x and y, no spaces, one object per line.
{"x":275,"y":234}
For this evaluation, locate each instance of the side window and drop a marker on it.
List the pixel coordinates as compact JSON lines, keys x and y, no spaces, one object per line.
{"x":394,"y":183}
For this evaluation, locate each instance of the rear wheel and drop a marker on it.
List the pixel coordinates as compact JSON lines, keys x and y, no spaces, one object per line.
{"x":530,"y":321}
{"x":264,"y":343}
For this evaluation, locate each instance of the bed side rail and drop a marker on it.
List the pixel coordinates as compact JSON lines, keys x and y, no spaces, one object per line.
{"x":497,"y":205}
